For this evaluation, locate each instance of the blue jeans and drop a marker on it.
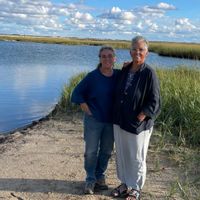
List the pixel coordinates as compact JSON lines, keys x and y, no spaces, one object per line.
{"x":99,"y":141}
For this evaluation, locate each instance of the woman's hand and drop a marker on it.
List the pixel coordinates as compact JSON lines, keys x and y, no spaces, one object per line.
{"x":141,"y":117}
{"x":126,"y":63}
{"x":85,"y":108}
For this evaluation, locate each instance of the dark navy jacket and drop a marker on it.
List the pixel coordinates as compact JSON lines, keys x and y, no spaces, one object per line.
{"x":97,"y":91}
{"x":142,"y":95}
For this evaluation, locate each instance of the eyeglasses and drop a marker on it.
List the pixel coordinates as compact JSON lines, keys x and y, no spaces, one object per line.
{"x":140,"y":50}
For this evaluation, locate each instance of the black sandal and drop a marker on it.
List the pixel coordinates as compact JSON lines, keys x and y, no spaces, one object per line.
{"x":133,"y":194}
{"x":120,"y":191}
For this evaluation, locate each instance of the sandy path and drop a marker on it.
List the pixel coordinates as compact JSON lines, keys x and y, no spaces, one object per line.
{"x":46,"y":162}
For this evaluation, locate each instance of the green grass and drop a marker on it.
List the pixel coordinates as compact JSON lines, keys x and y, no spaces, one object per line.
{"x":65,"y":103}
{"x":182,"y":50}
{"x":180,"y":116}
{"x":180,"y":92}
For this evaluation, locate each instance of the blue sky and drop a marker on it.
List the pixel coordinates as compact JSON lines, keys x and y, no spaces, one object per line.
{"x":110,"y":19}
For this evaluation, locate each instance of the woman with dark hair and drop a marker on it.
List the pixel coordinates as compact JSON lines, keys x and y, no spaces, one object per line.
{"x":137,"y":104}
{"x":95,"y":94}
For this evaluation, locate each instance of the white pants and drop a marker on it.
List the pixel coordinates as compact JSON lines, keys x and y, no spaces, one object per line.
{"x":131,"y":152}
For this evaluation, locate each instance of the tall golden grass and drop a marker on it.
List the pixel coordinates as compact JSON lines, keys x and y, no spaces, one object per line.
{"x":68,"y":41}
{"x":182,"y":50}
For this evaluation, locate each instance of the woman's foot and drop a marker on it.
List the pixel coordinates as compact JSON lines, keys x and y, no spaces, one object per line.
{"x":133,"y":194}
{"x":89,"y":188}
{"x":101,"y":185}
{"x":120,"y":191}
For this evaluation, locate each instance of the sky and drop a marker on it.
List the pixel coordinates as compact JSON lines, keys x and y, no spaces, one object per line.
{"x":175,"y":21}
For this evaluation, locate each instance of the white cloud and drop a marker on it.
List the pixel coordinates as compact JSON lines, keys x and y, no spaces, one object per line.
{"x":115,"y":10}
{"x":47,"y":18}
{"x":81,"y":21}
{"x":32,"y":15}
{"x":82,"y":26}
{"x":166,"y":6}
{"x":127,"y":16}
{"x":128,"y":32}
{"x":83,"y":16}
{"x":153,"y":27}
{"x":147,"y":10}
{"x":155,"y":11}
{"x":183,"y":21}
{"x":118,"y":14}
{"x":21,"y":16}
{"x":139,"y":25}
{"x":59,"y":11}
{"x":72,"y":6}
{"x":183,"y":24}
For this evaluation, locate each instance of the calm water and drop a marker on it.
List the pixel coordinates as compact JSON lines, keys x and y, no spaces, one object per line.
{"x":32,"y":76}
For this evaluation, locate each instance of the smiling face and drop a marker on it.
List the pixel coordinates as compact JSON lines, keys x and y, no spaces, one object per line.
{"x":139,"y":52}
{"x":107,"y":58}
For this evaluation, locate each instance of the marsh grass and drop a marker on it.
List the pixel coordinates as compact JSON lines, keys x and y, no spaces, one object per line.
{"x":182,"y":50}
{"x":180,"y":116}
{"x":65,"y":104}
{"x":68,"y":41}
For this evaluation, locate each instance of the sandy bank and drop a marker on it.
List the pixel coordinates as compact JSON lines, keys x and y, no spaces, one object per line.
{"x":46,"y":162}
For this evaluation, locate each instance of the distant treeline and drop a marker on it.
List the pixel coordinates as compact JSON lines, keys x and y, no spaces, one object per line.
{"x":181,"y":50}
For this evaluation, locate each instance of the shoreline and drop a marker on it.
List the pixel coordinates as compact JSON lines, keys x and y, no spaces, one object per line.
{"x":22,"y":129}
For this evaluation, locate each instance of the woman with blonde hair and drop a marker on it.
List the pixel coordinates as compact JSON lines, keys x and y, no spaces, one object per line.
{"x":137,"y":104}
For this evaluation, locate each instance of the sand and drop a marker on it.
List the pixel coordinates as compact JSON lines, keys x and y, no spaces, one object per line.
{"x":45,"y":162}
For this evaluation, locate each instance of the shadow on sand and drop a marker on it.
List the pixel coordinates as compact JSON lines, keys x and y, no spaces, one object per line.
{"x":45,"y":186}
{"x":41,"y":185}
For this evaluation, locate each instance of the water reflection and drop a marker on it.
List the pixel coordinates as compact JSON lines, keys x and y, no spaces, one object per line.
{"x":32,"y":76}
{"x":168,"y":62}
{"x":26,"y":80}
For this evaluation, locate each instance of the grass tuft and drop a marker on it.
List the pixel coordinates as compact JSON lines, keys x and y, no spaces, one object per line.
{"x":65,"y":104}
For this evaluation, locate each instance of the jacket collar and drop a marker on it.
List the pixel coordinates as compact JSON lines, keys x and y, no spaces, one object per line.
{"x":127,"y":68}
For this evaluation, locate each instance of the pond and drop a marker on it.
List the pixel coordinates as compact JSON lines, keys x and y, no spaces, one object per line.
{"x":32,"y":76}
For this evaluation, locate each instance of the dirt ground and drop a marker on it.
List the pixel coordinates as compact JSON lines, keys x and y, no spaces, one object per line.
{"x":45,"y":162}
